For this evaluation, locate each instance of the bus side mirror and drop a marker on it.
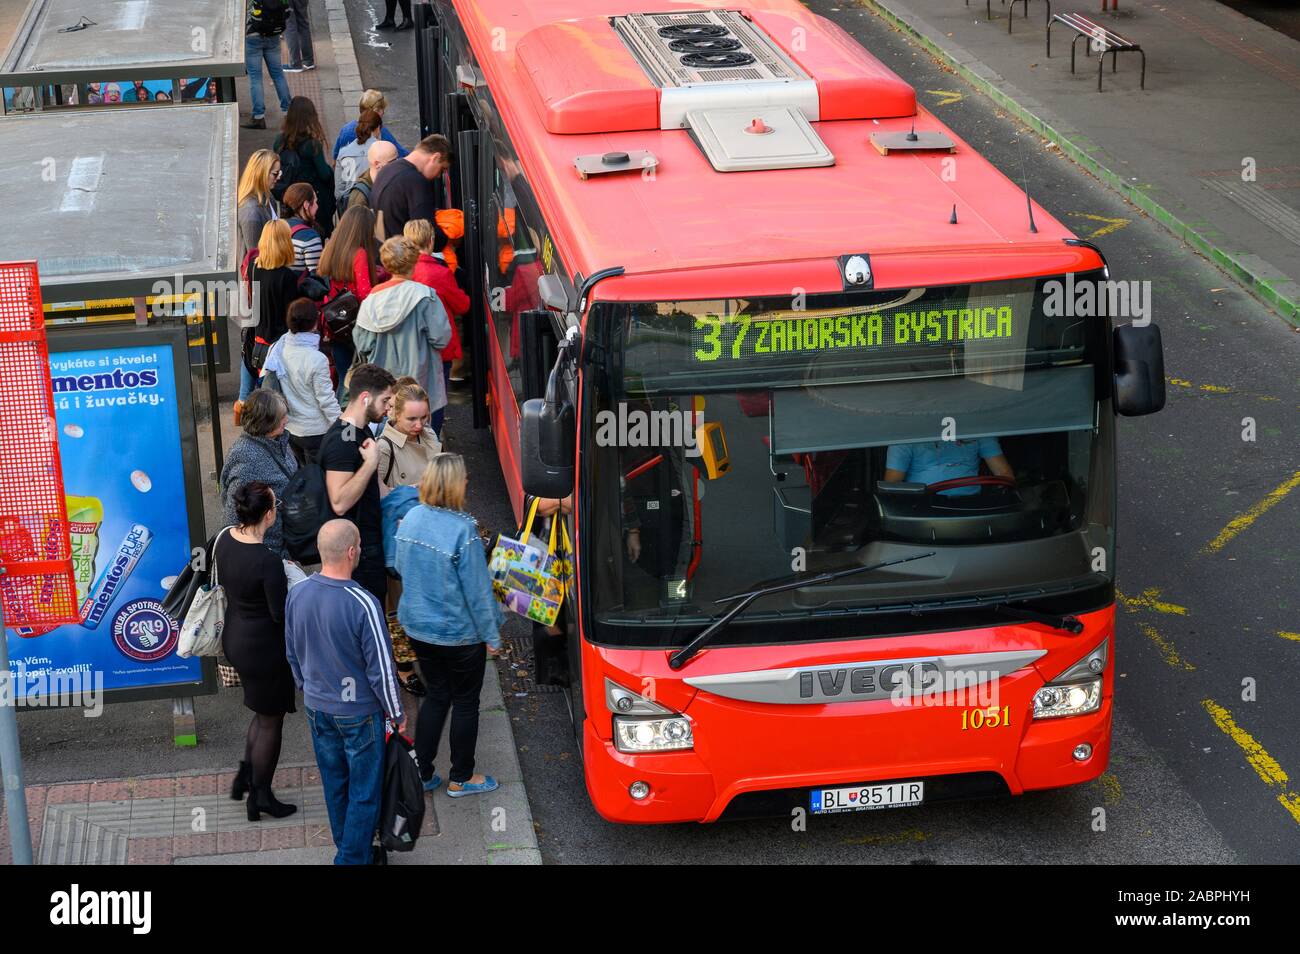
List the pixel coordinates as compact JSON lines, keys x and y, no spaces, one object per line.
{"x":548,"y":436}
{"x":1139,"y":370}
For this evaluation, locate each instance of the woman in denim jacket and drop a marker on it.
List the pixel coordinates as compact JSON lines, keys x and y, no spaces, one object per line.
{"x":448,"y":610}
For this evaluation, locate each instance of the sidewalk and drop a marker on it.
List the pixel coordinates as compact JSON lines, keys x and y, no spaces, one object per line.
{"x":1222,"y":93}
{"x":190,"y":818}
{"x":187,"y":816}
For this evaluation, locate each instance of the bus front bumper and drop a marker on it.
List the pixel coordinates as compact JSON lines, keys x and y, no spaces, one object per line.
{"x":713,"y":783}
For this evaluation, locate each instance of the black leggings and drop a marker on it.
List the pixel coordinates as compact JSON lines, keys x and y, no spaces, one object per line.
{"x":390,"y":6}
{"x":454,"y":677}
{"x":262,"y":746}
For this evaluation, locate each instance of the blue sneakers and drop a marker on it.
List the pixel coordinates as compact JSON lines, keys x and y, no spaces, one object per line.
{"x":432,"y":783}
{"x":489,"y":784}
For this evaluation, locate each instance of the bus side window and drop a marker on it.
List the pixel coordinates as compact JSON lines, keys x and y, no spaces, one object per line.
{"x":513,"y":269}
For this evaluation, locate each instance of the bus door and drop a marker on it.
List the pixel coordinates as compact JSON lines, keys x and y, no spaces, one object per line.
{"x":467,"y":195}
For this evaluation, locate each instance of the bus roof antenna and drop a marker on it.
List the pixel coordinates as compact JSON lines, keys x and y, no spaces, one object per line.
{"x":912,"y":136}
{"x":1024,"y":178}
{"x":953,"y":220}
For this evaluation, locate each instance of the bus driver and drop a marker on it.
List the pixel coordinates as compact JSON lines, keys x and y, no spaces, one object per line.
{"x":930,"y":462}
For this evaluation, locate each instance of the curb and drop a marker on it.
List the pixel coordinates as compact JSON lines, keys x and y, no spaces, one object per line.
{"x":1271,"y":286}
{"x":520,"y":846}
{"x":517,"y":844}
{"x":345,"y":54}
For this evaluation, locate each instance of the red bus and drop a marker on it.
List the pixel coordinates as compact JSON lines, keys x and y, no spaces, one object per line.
{"x":835,"y":400}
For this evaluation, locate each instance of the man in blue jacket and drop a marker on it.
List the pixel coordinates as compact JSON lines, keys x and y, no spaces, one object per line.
{"x":342,"y":660}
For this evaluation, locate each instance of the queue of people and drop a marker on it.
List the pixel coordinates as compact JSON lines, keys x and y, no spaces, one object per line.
{"x":353,"y":300}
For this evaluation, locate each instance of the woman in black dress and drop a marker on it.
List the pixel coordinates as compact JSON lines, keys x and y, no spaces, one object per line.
{"x":253,"y":640}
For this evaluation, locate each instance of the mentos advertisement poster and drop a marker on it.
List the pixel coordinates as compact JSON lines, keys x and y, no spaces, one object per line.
{"x":119,"y":429}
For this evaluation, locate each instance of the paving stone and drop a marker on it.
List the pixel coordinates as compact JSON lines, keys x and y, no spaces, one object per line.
{"x":278,"y":838}
{"x":149,"y":851}
{"x":187,"y":845}
{"x":154,"y":788}
{"x":231,"y":841}
{"x":197,"y":785}
{"x":69,"y":793}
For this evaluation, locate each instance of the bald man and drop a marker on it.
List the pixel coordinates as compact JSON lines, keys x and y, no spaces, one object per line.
{"x":378,"y":155}
{"x":342,"y":660}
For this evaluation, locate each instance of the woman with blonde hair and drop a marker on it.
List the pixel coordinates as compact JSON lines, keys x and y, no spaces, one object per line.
{"x":276,"y":284}
{"x":253,"y":198}
{"x":454,"y":622}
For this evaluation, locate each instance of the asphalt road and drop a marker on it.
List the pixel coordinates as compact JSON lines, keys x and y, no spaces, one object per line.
{"x":1198,"y":774}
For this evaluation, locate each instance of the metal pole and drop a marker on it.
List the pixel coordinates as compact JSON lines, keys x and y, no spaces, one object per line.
{"x":11,"y":760}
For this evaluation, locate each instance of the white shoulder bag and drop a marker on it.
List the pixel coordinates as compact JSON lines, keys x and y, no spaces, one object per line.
{"x":201,"y":630}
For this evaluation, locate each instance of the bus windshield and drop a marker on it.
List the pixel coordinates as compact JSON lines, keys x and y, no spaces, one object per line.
{"x":734,"y":442}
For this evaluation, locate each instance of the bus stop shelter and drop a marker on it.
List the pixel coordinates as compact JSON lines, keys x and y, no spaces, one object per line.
{"x":130,"y":203}
{"x":58,"y":46}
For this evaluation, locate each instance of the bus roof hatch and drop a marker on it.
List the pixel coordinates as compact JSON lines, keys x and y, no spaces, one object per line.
{"x":771,"y":137}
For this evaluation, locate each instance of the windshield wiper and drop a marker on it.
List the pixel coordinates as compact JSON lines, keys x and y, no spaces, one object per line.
{"x":679,"y":659}
{"x":1000,"y":606}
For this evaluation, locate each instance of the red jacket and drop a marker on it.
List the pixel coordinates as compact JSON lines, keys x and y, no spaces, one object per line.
{"x":434,"y":273}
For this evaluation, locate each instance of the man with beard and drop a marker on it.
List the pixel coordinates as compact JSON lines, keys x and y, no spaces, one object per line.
{"x":350,"y":458}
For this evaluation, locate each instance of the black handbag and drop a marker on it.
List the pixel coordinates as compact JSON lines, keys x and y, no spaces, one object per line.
{"x":401,"y":814}
{"x":340,"y":314}
{"x":181,"y":593}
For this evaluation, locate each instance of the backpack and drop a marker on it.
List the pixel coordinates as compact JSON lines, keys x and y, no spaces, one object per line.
{"x":401,"y":814}
{"x":363,"y":188}
{"x":304,"y":509}
{"x":267,"y":17}
{"x":291,"y":171}
{"x":349,"y":164}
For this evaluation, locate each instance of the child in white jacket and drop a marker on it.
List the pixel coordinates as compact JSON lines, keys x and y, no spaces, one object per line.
{"x":302,"y":373}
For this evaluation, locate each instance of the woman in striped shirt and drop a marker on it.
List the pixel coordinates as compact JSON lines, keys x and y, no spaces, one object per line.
{"x":307,"y":243}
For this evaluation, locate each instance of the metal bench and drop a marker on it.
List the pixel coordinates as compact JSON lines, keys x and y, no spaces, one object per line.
{"x":988,"y":7}
{"x":1011,"y":12}
{"x":1100,"y":39}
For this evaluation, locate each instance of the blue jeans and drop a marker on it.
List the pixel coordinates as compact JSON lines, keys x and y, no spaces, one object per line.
{"x":247,"y":383}
{"x":350,"y":756}
{"x":342,"y":352}
{"x":256,"y":49}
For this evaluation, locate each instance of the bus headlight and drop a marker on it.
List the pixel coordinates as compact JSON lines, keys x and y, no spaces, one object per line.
{"x":1077,"y":698}
{"x":1074,"y":692}
{"x":652,"y":735}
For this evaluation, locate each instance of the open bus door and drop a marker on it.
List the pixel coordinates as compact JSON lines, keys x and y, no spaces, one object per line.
{"x":467,"y":189}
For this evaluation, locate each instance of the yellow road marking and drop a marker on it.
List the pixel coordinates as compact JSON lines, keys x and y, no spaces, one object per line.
{"x":1111,"y":790}
{"x":1220,"y":389}
{"x":1291,"y":802}
{"x":1240,"y":523}
{"x":895,"y":838}
{"x":1166,"y":648}
{"x":1294,"y":637}
{"x":1110,"y":225}
{"x":1265,"y":766}
{"x":1150,"y":600}
{"x":950,"y":96}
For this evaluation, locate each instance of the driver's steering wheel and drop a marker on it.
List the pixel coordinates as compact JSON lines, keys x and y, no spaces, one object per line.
{"x":976,"y":480}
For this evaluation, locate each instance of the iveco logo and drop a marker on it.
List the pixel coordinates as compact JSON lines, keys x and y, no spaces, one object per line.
{"x":867,"y":681}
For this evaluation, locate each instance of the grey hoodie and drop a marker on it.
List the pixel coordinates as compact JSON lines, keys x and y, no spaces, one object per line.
{"x":401,"y":327}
